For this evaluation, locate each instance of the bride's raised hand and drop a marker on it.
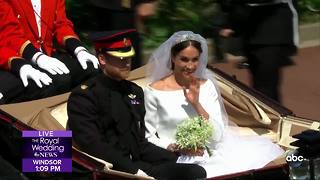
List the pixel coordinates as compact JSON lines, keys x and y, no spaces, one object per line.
{"x":192,"y":94}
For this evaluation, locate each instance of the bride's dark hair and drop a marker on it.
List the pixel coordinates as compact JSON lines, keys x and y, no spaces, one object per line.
{"x":184,"y":44}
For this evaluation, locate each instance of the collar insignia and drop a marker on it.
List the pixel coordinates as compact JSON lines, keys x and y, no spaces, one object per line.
{"x":132,"y":96}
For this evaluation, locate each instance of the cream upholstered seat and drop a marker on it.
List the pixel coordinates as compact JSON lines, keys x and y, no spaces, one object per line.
{"x":60,"y":114}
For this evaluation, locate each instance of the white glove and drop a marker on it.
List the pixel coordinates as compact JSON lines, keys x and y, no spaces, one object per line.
{"x":143,"y":174}
{"x":1,"y":95}
{"x":83,"y":57}
{"x":28,"y":72}
{"x":52,"y":65}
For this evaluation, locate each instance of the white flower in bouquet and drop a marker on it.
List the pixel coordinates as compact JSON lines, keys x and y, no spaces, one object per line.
{"x":194,"y":133}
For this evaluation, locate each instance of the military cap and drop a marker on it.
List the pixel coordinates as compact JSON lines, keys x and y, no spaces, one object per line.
{"x":114,"y":43}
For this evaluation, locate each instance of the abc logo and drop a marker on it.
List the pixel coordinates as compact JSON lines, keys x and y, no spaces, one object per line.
{"x":294,"y":160}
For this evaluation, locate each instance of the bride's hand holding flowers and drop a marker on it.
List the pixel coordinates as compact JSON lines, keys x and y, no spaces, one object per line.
{"x":193,"y":136}
{"x":191,"y":152}
{"x":173,"y":147}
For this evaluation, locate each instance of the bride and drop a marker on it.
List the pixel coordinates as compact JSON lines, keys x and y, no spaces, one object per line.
{"x":179,"y":88}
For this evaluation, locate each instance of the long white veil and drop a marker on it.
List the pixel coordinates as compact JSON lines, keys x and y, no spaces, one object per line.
{"x":234,"y":153}
{"x":160,"y":66}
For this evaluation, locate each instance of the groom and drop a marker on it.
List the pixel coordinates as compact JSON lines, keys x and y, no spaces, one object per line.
{"x":106,"y":116}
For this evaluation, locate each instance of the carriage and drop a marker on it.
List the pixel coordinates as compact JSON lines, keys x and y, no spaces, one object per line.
{"x":254,"y":113}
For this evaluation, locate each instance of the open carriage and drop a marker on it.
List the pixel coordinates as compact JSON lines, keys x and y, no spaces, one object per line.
{"x":253,"y":112}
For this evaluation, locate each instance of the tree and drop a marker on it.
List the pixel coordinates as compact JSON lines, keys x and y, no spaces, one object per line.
{"x":172,"y":16}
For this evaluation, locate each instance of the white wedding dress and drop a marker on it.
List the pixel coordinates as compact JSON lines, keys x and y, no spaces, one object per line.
{"x":231,"y":152}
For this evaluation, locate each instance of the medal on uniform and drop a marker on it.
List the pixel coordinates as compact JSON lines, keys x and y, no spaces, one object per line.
{"x":133,"y":99}
{"x":132,"y":96}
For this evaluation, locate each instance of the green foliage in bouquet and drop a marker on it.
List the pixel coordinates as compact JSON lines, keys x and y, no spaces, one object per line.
{"x":194,"y":133}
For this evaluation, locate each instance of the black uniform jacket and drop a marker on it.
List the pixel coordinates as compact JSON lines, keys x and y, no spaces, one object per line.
{"x":271,"y":24}
{"x":266,"y":24}
{"x":107,"y":120}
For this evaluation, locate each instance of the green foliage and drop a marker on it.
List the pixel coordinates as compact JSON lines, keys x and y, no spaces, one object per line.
{"x":172,"y":16}
{"x":312,"y":4}
{"x":309,"y":10}
{"x":194,"y":133}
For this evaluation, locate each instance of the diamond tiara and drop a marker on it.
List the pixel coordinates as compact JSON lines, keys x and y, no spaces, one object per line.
{"x":186,"y":37}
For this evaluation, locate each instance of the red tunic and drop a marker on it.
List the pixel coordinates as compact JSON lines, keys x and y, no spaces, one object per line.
{"x":10,"y":32}
{"x":54,"y":23}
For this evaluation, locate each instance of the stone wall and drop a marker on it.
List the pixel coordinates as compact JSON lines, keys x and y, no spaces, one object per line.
{"x":309,"y":35}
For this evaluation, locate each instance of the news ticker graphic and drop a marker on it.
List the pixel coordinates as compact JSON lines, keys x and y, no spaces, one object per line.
{"x":47,"y":151}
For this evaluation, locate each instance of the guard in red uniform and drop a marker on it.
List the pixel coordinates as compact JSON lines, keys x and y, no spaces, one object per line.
{"x":14,"y":70}
{"x":44,"y":22}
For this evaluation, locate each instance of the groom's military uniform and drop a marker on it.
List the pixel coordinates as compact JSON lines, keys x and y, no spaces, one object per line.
{"x":106,"y":117}
{"x":110,"y":115}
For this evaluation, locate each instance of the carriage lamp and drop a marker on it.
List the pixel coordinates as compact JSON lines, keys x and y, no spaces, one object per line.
{"x":304,"y":162}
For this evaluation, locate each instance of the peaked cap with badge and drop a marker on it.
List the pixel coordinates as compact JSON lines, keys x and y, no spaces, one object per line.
{"x":114,"y":43}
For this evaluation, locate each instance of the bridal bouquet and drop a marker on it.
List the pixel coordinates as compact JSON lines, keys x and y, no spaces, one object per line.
{"x":194,"y":133}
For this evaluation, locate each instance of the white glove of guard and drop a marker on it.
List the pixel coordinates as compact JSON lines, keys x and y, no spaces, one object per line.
{"x":83,"y":57}
{"x":28,"y":72}
{"x":50,"y":64}
{"x":143,"y":174}
{"x":1,"y":95}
